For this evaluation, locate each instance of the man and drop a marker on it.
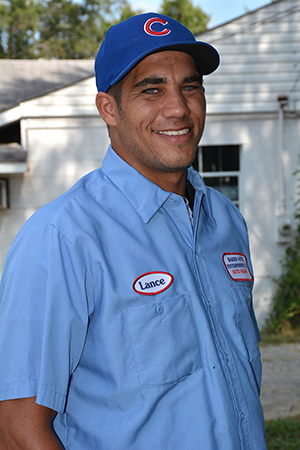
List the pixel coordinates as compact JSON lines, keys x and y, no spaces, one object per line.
{"x":127,"y":319}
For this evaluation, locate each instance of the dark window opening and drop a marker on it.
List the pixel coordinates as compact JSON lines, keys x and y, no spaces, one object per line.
{"x":10,"y":133}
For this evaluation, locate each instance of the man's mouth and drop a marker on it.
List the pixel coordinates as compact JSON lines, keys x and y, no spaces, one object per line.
{"x":174,"y":132}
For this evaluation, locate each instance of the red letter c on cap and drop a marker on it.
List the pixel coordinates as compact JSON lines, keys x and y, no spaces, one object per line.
{"x":150,"y":22}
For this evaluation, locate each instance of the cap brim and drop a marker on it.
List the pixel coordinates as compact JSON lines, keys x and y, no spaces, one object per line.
{"x":207,"y":58}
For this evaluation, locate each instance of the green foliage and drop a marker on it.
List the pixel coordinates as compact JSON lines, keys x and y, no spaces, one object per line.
{"x":186,"y":13}
{"x":283,"y":434}
{"x":285,"y":312}
{"x":284,"y":316}
{"x":63,"y":29}
{"x":19,"y":22}
{"x":61,"y":34}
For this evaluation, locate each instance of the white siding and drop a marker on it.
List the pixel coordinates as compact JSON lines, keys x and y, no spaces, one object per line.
{"x":260,"y":58}
{"x":76,"y":100}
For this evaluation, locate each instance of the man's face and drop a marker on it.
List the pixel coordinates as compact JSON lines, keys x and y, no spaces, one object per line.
{"x":160,"y":119}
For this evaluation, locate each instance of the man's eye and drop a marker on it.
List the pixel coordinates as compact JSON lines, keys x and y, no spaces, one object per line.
{"x":189,"y":88}
{"x":193,"y":88}
{"x":150,"y":91}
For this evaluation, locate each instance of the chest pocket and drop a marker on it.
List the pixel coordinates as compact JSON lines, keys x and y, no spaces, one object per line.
{"x":164,"y":340}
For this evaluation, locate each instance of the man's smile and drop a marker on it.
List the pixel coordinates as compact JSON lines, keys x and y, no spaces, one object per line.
{"x":174,"y":132}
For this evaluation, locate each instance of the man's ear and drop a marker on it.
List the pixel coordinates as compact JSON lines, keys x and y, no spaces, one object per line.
{"x":107,"y":108}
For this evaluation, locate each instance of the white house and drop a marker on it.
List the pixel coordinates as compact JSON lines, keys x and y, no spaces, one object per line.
{"x":249,"y":149}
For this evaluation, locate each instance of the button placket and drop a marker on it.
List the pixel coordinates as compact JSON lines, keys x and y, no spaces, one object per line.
{"x":177,"y":210}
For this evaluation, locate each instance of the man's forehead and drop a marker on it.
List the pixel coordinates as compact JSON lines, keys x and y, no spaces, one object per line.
{"x":161,"y":65}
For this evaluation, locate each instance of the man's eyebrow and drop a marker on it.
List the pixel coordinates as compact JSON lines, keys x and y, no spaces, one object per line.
{"x":193,"y":79}
{"x":150,"y":81}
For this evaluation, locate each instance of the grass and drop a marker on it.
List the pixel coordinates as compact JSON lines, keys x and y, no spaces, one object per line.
{"x":283,"y":434}
{"x":292,"y":336}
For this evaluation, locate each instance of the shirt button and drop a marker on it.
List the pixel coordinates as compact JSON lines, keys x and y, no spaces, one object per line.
{"x":242,"y":415}
{"x":159,"y":309}
{"x":176,"y":201}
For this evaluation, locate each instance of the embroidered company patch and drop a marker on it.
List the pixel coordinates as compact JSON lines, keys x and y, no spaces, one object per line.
{"x":152,"y":283}
{"x":237,"y":266}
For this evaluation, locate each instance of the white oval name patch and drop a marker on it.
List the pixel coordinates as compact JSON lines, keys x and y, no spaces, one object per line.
{"x":152,"y":283}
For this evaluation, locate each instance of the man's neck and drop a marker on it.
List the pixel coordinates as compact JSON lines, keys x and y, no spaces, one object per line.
{"x":171,"y":182}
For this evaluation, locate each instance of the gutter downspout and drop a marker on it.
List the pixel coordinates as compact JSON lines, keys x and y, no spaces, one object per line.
{"x":282,"y":102}
{"x":283,"y":223}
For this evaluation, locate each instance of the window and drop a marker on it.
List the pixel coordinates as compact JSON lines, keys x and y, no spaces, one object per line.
{"x":219,"y":166}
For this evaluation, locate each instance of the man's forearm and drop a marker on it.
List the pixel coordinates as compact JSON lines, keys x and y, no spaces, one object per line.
{"x":48,"y":441}
{"x":25,"y":425}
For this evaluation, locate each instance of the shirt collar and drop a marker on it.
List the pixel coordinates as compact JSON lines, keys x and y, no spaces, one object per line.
{"x":145,"y":197}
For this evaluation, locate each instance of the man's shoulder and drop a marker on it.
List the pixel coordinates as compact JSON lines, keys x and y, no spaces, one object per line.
{"x":221,"y":200}
{"x":73,"y":205}
{"x":223,"y":210}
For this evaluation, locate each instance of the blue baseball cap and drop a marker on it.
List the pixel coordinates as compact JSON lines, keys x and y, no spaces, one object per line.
{"x":128,"y":42}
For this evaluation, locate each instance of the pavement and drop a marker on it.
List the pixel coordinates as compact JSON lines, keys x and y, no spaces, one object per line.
{"x":280,"y":389}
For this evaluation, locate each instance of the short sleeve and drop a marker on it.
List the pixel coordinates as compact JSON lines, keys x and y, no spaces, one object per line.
{"x":43,"y":317}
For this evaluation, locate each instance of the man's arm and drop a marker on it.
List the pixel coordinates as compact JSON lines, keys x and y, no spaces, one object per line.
{"x":25,"y":425}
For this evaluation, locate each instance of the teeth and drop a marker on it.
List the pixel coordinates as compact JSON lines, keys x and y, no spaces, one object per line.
{"x":174,"y":133}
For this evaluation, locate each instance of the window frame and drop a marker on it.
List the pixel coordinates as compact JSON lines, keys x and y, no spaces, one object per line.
{"x":220,"y":174}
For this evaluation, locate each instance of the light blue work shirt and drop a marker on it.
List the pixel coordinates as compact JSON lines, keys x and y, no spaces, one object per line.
{"x":135,"y":326}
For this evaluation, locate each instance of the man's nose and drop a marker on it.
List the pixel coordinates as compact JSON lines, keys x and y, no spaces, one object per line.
{"x":175,"y":105}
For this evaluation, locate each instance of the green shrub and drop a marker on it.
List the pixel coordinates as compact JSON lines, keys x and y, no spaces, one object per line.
{"x":284,"y":316}
{"x":285,"y":309}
